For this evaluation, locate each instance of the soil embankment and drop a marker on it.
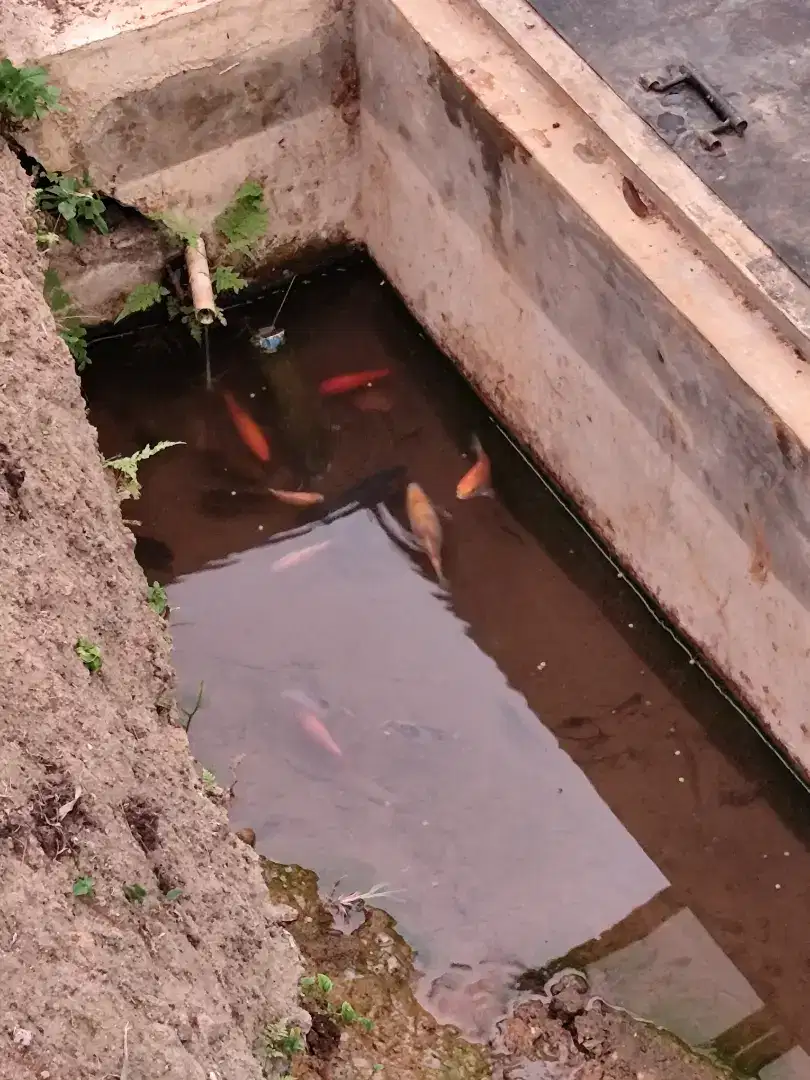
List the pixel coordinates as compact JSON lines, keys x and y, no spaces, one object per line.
{"x":96,"y":783}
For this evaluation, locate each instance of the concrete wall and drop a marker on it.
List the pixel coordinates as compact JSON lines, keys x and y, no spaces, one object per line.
{"x":176,"y":115}
{"x":599,"y":336}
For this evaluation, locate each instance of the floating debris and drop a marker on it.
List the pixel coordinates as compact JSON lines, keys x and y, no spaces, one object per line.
{"x":269,"y":340}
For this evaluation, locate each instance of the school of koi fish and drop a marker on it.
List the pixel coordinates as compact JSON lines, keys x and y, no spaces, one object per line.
{"x":426,"y":534}
{"x":426,"y":529}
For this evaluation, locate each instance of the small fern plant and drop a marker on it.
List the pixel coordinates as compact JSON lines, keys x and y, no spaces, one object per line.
{"x":67,"y":321}
{"x":223,"y":279}
{"x":244,"y":221}
{"x":142,"y":298}
{"x":126,"y":468}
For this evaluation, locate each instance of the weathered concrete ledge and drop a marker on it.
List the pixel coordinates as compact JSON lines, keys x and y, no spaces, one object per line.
{"x":173,"y":116}
{"x":637,"y":337}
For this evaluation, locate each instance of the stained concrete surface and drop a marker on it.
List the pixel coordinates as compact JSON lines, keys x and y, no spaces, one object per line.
{"x":758,"y":54}
{"x":599,"y":337}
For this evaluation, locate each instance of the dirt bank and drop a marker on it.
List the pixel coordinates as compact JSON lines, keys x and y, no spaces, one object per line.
{"x":96,"y":781}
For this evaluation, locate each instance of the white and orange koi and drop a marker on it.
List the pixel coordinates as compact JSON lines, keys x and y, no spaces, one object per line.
{"x":426,"y":527}
{"x":300,"y":556}
{"x":317,"y":731}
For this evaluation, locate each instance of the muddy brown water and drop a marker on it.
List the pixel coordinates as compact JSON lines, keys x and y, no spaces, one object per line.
{"x":529,"y":762}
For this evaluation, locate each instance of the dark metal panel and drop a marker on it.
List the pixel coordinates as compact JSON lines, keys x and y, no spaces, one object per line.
{"x":757,"y":52}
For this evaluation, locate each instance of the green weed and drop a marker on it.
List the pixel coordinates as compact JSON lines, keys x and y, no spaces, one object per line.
{"x":142,"y":298}
{"x":178,"y":227}
{"x":187,"y":317}
{"x":244,"y":221}
{"x":126,"y":468}
{"x":75,"y":337}
{"x":84,"y":886}
{"x":319,"y":987}
{"x":209,"y":781}
{"x":226,"y":279}
{"x":89,"y":654}
{"x":136,"y":894}
{"x":156,"y":598}
{"x":68,"y":324}
{"x":280,"y":1041}
{"x":25,"y":93}
{"x":172,"y":895}
{"x":47,"y":239}
{"x":73,"y":201}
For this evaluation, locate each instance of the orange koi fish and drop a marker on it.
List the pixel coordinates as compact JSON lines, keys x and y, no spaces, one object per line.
{"x":249,"y":431}
{"x":426,"y":527}
{"x":478,"y":479}
{"x":342,"y":384}
{"x":318,"y":733}
{"x":297,"y":498}
{"x":302,"y":555}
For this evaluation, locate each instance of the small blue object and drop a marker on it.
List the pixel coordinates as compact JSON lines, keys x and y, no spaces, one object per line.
{"x":269,"y":340}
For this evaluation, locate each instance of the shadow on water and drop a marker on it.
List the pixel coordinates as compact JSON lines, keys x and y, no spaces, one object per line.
{"x":529,"y":763}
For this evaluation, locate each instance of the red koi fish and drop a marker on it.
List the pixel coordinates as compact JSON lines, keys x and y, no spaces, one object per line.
{"x":249,"y":431}
{"x":318,"y":733}
{"x":342,"y":384}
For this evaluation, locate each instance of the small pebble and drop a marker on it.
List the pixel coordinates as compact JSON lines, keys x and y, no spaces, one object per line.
{"x":541,"y":665}
{"x":261,"y":528}
{"x":247,"y":836}
{"x":777,"y":886}
{"x":253,"y":395}
{"x":785,"y":852}
{"x":681,"y":780}
{"x":630,"y":625}
{"x":677,"y":753}
{"x":233,"y":493}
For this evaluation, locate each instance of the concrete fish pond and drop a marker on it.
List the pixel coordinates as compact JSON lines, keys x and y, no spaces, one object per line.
{"x":403,"y":533}
{"x":524,"y":778}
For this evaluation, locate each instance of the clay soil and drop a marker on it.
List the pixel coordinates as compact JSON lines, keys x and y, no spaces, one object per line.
{"x":96,"y":780}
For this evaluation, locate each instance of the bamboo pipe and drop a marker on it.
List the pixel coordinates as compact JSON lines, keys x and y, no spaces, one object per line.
{"x":199,"y":279}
